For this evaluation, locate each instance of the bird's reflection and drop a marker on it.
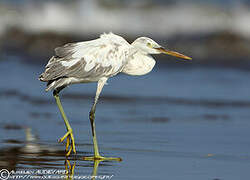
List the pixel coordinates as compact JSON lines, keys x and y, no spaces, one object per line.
{"x":21,"y":155}
{"x":95,"y":168}
{"x":70,"y":169}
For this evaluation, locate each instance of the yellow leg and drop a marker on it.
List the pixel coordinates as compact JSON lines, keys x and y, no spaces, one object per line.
{"x":69,"y":135}
{"x":97,"y":156}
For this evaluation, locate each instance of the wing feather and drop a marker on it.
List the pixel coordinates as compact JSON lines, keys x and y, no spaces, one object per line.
{"x":89,"y":60}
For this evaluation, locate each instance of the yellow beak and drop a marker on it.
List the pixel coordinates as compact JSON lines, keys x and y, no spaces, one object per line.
{"x":173,"y":53}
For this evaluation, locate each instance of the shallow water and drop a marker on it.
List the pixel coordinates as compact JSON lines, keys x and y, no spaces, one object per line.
{"x":174,"y":123}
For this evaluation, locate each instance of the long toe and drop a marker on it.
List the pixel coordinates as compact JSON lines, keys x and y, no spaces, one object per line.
{"x":65,"y":136}
{"x":73,"y":142}
{"x":70,"y":143}
{"x":68,"y":153}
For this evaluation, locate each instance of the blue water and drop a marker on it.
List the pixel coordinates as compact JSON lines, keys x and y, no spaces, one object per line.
{"x":174,"y":123}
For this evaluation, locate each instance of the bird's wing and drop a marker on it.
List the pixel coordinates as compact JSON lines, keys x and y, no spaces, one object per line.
{"x":88,"y":60}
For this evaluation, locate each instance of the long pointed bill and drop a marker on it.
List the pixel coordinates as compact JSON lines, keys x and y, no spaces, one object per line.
{"x":173,"y":53}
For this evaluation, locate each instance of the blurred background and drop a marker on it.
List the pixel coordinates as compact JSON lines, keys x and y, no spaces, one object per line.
{"x":214,"y":32}
{"x":184,"y":120}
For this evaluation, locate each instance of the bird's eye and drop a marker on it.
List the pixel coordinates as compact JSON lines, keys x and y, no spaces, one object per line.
{"x":149,"y":44}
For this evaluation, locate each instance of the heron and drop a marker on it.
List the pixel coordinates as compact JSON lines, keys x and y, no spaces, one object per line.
{"x":96,"y":61}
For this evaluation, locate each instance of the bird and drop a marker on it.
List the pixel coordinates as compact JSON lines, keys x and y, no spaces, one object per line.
{"x":96,"y":61}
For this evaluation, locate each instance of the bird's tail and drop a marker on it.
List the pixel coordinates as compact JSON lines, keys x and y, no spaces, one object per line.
{"x":56,"y":83}
{"x":41,"y":78}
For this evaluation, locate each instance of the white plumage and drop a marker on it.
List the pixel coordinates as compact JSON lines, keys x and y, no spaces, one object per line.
{"x":106,"y":56}
{"x":96,"y":61}
{"x":86,"y":61}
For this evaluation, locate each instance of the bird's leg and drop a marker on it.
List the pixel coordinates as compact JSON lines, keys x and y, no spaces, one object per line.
{"x":97,"y":156}
{"x":92,"y":122}
{"x":69,"y":134}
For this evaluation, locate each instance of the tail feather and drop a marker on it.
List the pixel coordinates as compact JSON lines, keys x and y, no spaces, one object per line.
{"x":54,"y":74}
{"x":57,"y":83}
{"x":41,"y":78}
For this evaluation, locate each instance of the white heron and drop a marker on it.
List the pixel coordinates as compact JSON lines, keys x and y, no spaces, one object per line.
{"x":96,"y":61}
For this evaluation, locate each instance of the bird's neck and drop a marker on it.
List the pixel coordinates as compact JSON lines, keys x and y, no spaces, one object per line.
{"x":139,"y":64}
{"x":138,"y":49}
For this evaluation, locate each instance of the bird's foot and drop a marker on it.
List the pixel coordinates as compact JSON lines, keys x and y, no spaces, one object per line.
{"x":70,"y":142}
{"x":101,"y":158}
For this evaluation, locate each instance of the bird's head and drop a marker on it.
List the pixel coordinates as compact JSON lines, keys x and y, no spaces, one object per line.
{"x":149,"y":46}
